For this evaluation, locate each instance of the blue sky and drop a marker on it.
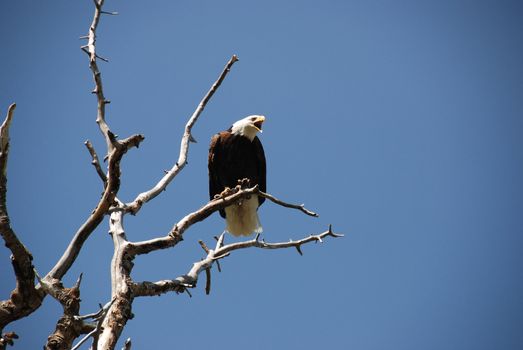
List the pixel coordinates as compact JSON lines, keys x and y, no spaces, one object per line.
{"x":399,"y":122}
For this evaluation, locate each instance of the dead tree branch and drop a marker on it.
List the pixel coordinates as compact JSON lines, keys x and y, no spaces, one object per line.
{"x":124,"y":289}
{"x":120,"y":311}
{"x":115,"y":151}
{"x":145,"y":197}
{"x":184,"y":282}
{"x":95,"y":161}
{"x":175,"y":235}
{"x":96,"y":217}
{"x":24,"y":299}
{"x":300,"y":207}
{"x":90,"y":49}
{"x":99,"y":317}
{"x":190,"y":279}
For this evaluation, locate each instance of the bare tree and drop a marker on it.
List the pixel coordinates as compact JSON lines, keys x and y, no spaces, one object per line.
{"x":104,"y":327}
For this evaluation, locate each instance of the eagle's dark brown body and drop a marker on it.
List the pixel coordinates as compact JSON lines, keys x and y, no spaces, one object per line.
{"x":234,"y":157}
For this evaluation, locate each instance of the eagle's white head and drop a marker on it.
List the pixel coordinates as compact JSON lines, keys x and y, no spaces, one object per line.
{"x":248,"y":126}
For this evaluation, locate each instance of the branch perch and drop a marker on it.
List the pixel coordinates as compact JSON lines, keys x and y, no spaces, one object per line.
{"x":176,"y":233}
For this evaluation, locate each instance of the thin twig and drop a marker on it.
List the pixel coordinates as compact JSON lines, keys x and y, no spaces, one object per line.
{"x":95,"y":161}
{"x":127,"y":344}
{"x":300,"y":207}
{"x":112,"y":13}
{"x":4,"y":128}
{"x":84,"y":339}
{"x":207,"y":270}
{"x":208,"y":281}
{"x":90,"y":49}
{"x":264,"y":245}
{"x":99,"y":316}
{"x":100,"y":320}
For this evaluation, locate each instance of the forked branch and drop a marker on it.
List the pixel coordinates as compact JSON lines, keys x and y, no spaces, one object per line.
{"x":69,"y":325}
{"x":96,"y":161}
{"x":105,"y":203}
{"x":98,"y":318}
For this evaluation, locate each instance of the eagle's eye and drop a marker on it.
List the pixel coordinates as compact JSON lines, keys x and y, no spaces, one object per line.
{"x":253,"y":118}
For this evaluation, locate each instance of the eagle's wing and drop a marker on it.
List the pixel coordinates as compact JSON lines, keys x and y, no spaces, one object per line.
{"x":215,"y":155}
{"x":262,"y":169}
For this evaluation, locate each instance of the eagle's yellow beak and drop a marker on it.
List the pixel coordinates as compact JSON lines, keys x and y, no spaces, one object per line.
{"x":258,"y":122}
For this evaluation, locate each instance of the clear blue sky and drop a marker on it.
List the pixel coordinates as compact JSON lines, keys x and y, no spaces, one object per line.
{"x":399,"y":122}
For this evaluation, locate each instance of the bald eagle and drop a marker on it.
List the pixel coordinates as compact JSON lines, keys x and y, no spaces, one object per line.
{"x":235,"y":154}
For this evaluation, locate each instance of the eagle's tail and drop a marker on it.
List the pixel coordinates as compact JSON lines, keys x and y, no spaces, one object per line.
{"x":242,"y":218}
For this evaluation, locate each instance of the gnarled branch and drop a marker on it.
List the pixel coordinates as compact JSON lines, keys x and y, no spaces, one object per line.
{"x":24,"y":299}
{"x":69,"y":326}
